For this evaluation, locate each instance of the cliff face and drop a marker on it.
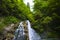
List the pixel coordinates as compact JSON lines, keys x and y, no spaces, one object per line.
{"x":8,"y":32}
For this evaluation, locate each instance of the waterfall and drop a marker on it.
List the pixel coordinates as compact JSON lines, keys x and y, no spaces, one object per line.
{"x":19,"y":33}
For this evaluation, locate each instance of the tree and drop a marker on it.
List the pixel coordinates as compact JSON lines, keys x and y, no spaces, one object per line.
{"x":13,"y":11}
{"x":50,"y":14}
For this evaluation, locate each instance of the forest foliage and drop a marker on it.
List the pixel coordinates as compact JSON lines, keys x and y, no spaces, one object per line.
{"x":13,"y":11}
{"x":47,"y":13}
{"x":44,"y":18}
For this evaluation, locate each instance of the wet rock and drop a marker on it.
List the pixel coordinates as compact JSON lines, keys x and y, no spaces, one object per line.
{"x":8,"y":32}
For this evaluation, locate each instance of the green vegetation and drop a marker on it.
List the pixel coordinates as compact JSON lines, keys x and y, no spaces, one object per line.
{"x":45,"y":17}
{"x":48,"y":16}
{"x":13,"y":11}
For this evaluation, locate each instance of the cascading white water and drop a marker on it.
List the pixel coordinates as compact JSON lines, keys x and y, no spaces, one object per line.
{"x":32,"y":34}
{"x":19,"y":34}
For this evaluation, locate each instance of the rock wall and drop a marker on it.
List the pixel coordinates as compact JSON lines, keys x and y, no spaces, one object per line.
{"x":8,"y":32}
